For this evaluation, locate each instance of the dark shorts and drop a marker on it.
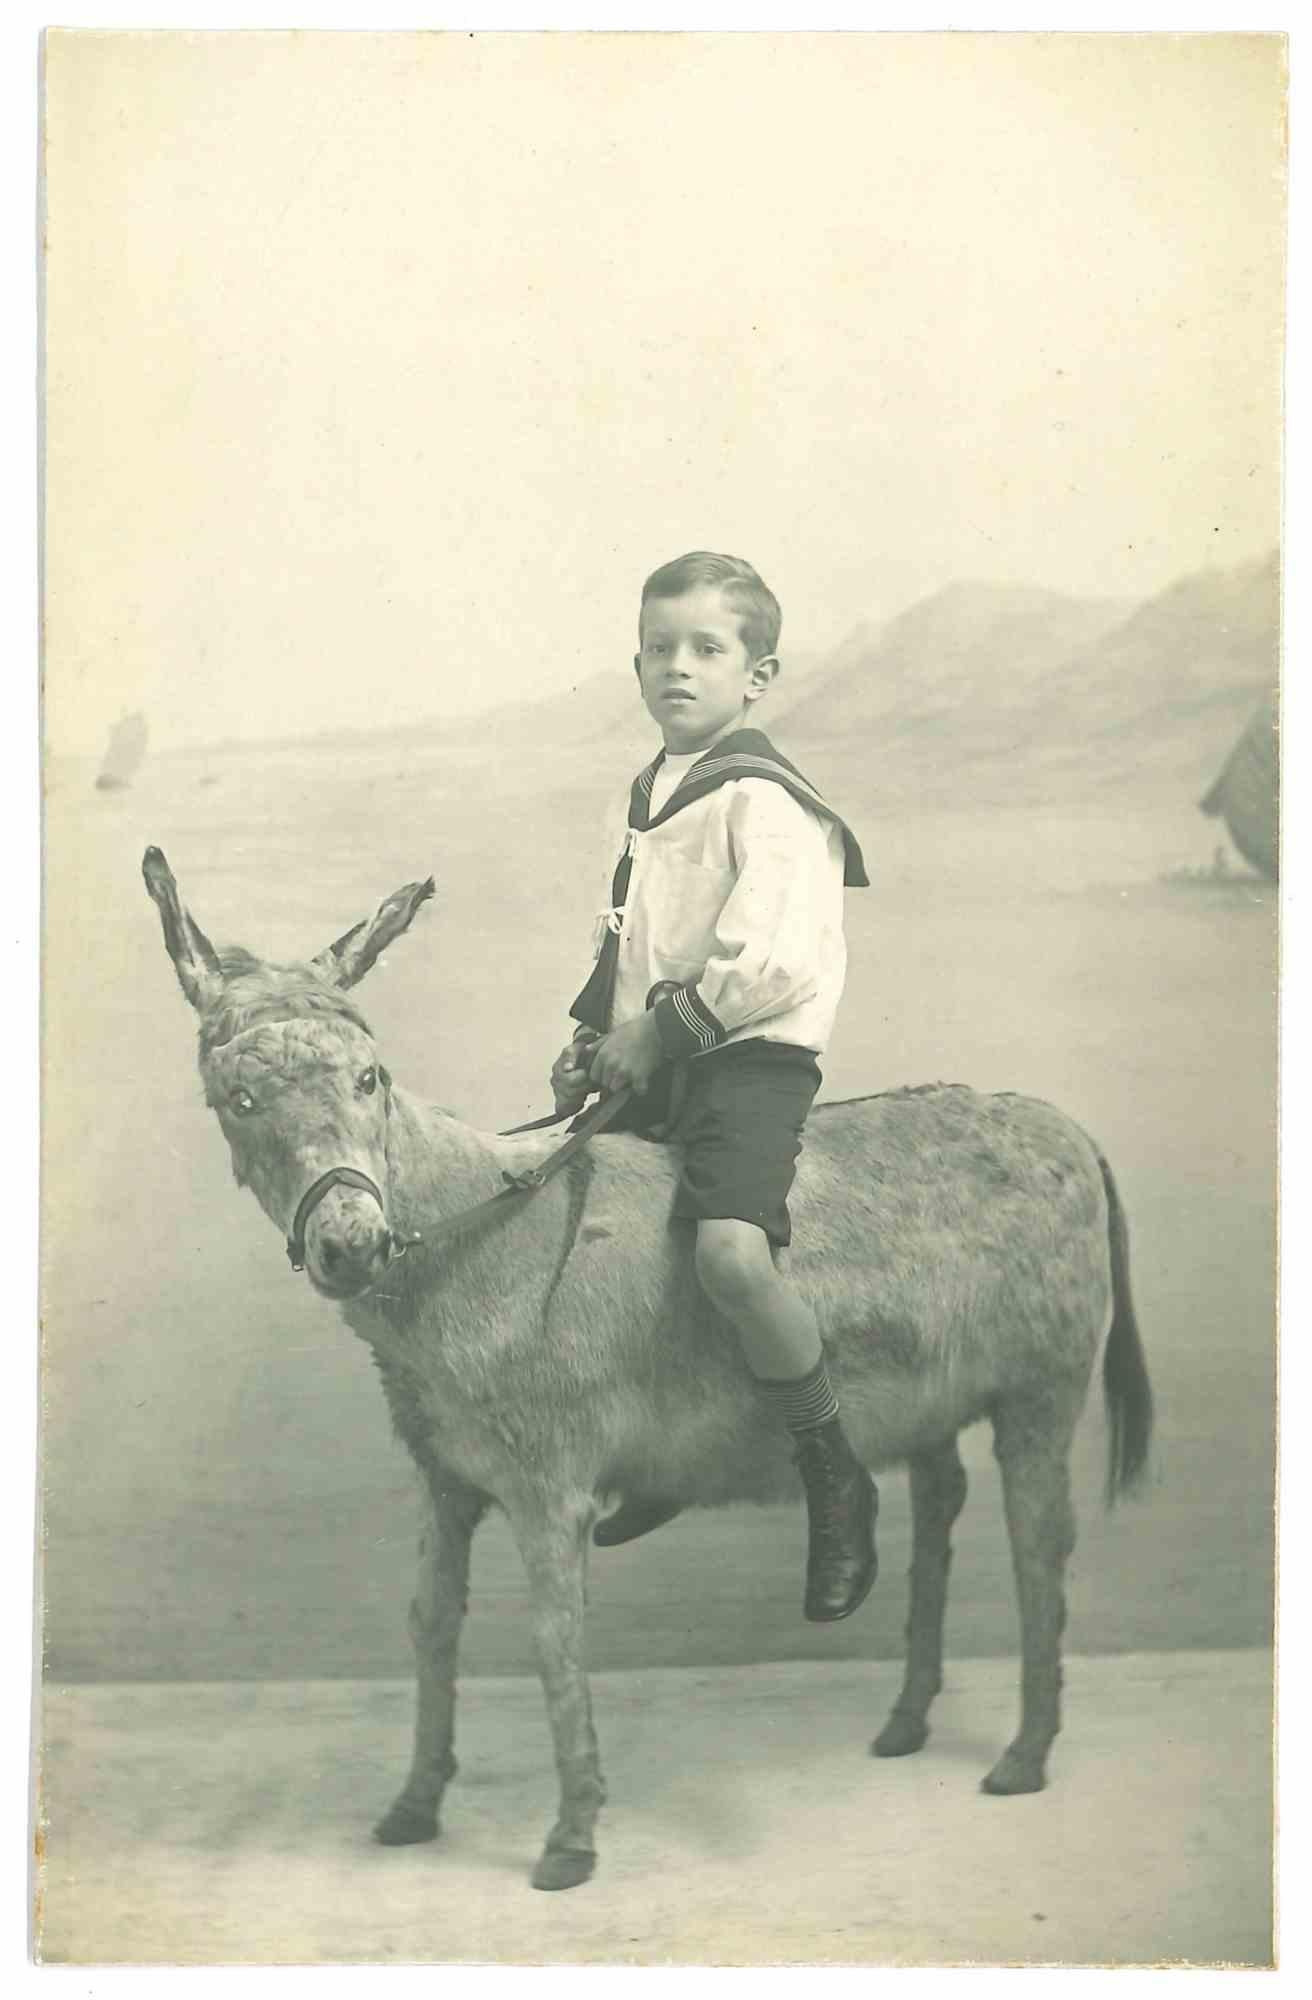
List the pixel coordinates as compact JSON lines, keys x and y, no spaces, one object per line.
{"x":739,"y":1129}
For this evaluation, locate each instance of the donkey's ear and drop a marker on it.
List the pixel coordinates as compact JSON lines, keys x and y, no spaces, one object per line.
{"x":353,"y":954}
{"x":194,"y":958}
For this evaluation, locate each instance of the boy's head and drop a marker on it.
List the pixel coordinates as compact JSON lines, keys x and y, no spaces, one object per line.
{"x":707,"y":632}
{"x":757,"y":607}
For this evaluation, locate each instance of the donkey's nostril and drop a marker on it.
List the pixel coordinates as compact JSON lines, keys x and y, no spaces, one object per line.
{"x":329,"y":1256}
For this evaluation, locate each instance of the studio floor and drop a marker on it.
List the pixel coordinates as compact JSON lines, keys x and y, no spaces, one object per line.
{"x":222,"y":1823}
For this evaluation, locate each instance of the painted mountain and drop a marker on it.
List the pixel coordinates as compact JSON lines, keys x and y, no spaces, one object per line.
{"x":991,"y":692}
{"x":960,"y":667}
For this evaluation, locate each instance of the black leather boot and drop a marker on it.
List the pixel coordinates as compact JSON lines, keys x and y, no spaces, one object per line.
{"x":634,"y":1517}
{"x":841,"y":1504}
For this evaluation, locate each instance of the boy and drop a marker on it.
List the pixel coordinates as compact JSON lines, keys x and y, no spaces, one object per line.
{"x":729,"y":895}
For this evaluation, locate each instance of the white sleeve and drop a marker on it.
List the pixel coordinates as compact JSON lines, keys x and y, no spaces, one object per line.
{"x":770,"y":934}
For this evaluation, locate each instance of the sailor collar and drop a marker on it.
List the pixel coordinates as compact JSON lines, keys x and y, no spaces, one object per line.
{"x":744,"y":753}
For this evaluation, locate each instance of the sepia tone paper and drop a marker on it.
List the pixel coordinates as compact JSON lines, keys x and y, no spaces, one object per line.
{"x":380,"y":369}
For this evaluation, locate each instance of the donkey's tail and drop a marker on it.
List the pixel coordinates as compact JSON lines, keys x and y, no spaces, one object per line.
{"x":1126,"y":1389}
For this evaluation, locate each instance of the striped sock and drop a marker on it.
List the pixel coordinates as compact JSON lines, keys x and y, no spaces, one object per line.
{"x":805,"y":1402}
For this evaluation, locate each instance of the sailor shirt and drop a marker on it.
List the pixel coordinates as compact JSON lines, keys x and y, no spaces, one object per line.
{"x":736,"y":898}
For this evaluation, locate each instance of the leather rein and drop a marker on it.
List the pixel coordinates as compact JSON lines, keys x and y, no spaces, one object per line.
{"x":517,"y":1188}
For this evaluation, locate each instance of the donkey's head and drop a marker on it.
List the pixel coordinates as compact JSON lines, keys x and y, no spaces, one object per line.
{"x":291,"y":1069}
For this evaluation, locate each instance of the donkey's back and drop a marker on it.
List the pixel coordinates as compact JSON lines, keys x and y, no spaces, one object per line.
{"x":958,"y":1252}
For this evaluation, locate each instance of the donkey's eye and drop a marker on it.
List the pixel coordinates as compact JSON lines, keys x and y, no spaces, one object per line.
{"x":366,"y":1080}
{"x":242,"y":1102}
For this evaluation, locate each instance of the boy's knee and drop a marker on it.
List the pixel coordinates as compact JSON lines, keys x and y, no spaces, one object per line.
{"x":733,"y":1262}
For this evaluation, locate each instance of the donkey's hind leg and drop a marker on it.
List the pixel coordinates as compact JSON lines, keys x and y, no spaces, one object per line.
{"x":938,"y":1493}
{"x":437,"y":1613}
{"x":1032,"y":1445}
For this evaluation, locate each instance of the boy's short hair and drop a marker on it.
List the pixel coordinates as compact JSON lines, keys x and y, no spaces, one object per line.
{"x":756,"y":605}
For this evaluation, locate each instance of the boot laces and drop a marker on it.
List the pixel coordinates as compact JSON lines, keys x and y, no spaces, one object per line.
{"x":824,"y":1456}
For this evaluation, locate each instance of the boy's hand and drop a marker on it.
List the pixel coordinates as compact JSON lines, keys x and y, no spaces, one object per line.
{"x":630,"y":1054}
{"x":570,"y":1083}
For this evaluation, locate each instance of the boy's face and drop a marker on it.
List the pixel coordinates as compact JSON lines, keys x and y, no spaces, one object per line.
{"x":696,"y":674}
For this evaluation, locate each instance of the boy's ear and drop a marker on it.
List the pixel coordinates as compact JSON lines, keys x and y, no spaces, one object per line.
{"x":637,"y":665}
{"x":764,"y":672}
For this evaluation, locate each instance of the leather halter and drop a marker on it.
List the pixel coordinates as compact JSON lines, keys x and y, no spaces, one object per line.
{"x":335,"y":1177}
{"x":529,"y":1181}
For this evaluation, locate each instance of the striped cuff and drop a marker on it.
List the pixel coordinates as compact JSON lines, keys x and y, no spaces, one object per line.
{"x":803,"y":1404}
{"x":686,"y":1024}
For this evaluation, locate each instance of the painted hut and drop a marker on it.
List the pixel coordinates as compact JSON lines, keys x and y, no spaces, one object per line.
{"x":1247,"y":793}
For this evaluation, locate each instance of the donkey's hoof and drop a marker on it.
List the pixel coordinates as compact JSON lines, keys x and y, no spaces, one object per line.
{"x":563,"y":1867}
{"x":900,"y":1735}
{"x":403,"y":1825}
{"x":1012,"y":1775}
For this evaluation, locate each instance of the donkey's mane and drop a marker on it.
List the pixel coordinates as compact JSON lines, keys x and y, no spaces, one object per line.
{"x":256,"y":992}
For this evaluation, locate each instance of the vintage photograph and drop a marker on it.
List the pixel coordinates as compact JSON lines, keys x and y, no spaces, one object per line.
{"x":661,"y":721}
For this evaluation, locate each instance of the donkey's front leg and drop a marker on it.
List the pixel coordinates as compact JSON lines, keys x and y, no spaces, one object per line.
{"x":437,"y":1613}
{"x":552,"y":1534}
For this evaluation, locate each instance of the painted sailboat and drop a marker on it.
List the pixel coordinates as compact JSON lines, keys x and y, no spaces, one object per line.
{"x":124,"y":753}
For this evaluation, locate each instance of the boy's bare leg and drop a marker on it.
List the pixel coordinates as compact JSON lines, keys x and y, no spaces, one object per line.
{"x":781,"y":1345}
{"x":775,"y":1325}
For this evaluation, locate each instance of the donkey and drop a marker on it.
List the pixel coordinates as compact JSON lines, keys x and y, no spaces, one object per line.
{"x":965,"y":1255}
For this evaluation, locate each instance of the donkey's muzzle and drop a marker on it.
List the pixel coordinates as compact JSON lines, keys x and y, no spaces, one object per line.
{"x":335,"y":1177}
{"x":352,"y":1246}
